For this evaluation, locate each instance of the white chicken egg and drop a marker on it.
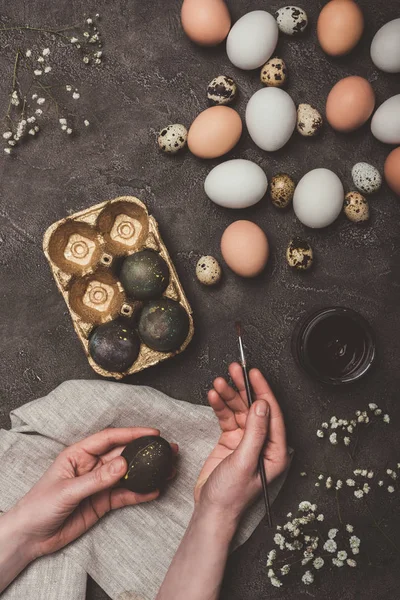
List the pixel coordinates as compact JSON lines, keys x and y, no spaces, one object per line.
{"x":271,"y":118}
{"x":318,"y":198}
{"x":385,"y":47}
{"x":252,"y":40}
{"x":236,"y":183}
{"x":385,"y":125}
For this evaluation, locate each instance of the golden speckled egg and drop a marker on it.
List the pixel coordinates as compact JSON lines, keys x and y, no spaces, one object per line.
{"x":208,"y":271}
{"x":274,"y":72}
{"x":356,"y":207}
{"x":299,"y":254}
{"x":282,"y":189}
{"x":309,"y":120}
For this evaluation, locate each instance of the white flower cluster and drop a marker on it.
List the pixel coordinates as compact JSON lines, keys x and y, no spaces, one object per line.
{"x":343,"y":429}
{"x":90,"y":41}
{"x":361,"y":481}
{"x":298,"y":535}
{"x":24,"y":127}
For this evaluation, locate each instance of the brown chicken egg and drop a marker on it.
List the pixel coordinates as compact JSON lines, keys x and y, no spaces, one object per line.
{"x":205,"y":22}
{"x":245,"y":248}
{"x":350,"y":102}
{"x":340,"y":27}
{"x":214,"y":132}
{"x":392,"y":170}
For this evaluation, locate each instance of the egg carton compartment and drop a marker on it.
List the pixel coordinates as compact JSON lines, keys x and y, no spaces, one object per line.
{"x":85,"y":252}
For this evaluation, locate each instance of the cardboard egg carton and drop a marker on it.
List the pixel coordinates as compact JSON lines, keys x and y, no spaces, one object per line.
{"x":85,"y":251}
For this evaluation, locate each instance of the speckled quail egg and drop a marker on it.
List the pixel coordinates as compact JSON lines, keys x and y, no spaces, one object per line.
{"x":282,"y":189}
{"x":356,"y":207}
{"x":291,"y":20}
{"x":173,"y":138}
{"x":299,"y":254}
{"x":208,"y":271}
{"x":221,"y":90}
{"x":309,"y":120}
{"x":366,"y":178}
{"x":274,"y":72}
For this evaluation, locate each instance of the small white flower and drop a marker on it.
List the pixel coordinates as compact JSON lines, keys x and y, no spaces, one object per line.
{"x":69,"y":130}
{"x":32,"y":132}
{"x":89,"y":21}
{"x":366,"y":488}
{"x":38,"y":111}
{"x":354,"y":541}
{"x":370,"y":474}
{"x":358,"y":413}
{"x":86,"y":34}
{"x":351,"y":562}
{"x":320,"y":517}
{"x":364,"y":473}
{"x":270,"y":573}
{"x":40,"y":59}
{"x":307,"y":578}
{"x":359,"y":494}
{"x":318,"y":563}
{"x":64,"y":127}
{"x":321,"y":477}
{"x":285,"y":569}
{"x":390,"y":489}
{"x":330,"y":546}
{"x":47,"y":69}
{"x":62,"y":121}
{"x":320,"y":433}
{"x":337,"y":562}
{"x":7,"y":135}
{"x":332,"y":533}
{"x":73,"y":40}
{"x":76,"y":95}
{"x":333,"y":438}
{"x":350,"y":482}
{"x":324,"y":425}
{"x":378,"y":412}
{"x":28,"y":53}
{"x":355,"y":550}
{"x":46,"y":51}
{"x":68,"y":88}
{"x":305,"y":506}
{"x":7,"y":150}
{"x":303,"y":473}
{"x":99,"y":54}
{"x":317,"y":484}
{"x":37,"y":72}
{"x":372,"y":406}
{"x":275,"y":582}
{"x":328,"y":483}
{"x":346,"y":441}
{"x":360,"y":419}
{"x":380,"y":483}
{"x":34,"y":96}
{"x":289,"y":515}
{"x":357,"y":471}
{"x":339,"y":484}
{"x":12,"y":143}
{"x":41,"y":100}
{"x":386,"y":418}
{"x":350,"y":428}
{"x":342,"y":555}
{"x":398,"y":465}
{"x":335,"y":425}
{"x":333,"y":419}
{"x":279,"y":540}
{"x":86,"y":60}
{"x":349,"y":528}
{"x":271,"y":557}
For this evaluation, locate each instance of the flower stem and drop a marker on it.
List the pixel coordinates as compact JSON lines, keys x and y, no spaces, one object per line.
{"x":14,"y":81}
{"x":338,"y":507}
{"x":377,"y":525}
{"x":41,"y":29}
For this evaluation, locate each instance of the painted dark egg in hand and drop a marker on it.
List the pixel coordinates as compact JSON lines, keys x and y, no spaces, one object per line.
{"x":163,"y":325}
{"x":114,"y":346}
{"x":150,"y":462}
{"x":144,"y":275}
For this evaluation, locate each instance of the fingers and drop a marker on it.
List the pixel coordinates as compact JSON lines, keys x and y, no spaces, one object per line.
{"x":119,"y":449}
{"x":236,"y":373}
{"x":121,"y":497}
{"x":95,"y":481}
{"x":105,"y":440}
{"x":255,"y":434}
{"x":228,"y":394}
{"x":277,"y":432}
{"x":225,"y":416}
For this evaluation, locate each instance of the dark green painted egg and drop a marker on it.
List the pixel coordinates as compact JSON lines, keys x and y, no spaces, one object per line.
{"x":163,"y":325}
{"x":150,"y":462}
{"x":114,"y":346}
{"x":144,"y":275}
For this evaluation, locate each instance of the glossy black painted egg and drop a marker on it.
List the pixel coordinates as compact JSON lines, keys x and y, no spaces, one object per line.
{"x":144,"y":275}
{"x":163,"y":325}
{"x":150,"y":462}
{"x":114,"y":346}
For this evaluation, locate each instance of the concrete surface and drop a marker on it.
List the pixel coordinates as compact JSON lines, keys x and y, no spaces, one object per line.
{"x":152,"y":76}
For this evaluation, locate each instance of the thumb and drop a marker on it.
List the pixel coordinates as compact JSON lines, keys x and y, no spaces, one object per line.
{"x":255,"y":434}
{"x":99,"y":479}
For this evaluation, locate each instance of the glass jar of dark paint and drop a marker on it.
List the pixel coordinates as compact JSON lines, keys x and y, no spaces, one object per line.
{"x":334,"y":345}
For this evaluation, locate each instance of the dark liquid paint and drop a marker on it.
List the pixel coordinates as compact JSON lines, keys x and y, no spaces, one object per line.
{"x":336,"y":346}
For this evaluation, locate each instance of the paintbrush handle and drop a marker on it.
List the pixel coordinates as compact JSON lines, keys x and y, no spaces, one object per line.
{"x":261,"y":466}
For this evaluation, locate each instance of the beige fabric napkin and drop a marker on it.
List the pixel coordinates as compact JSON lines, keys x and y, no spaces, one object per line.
{"x":128,"y":552}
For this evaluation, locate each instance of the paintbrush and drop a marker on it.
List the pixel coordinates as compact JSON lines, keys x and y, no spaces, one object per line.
{"x":261,"y":467}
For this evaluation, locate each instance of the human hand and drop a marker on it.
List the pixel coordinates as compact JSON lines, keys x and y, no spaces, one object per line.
{"x":229,"y":479}
{"x":77,"y":490}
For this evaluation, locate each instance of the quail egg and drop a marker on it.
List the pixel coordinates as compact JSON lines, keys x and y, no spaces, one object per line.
{"x":282,"y":189}
{"x":274,"y":72}
{"x":356,"y":207}
{"x":366,"y":178}
{"x":299,"y":254}
{"x":309,"y":120}
{"x":208,"y":271}
{"x":221,"y":90}
{"x":291,"y":20}
{"x":173,"y":138}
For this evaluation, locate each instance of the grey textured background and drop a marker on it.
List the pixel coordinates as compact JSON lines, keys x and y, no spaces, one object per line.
{"x":152,"y":76}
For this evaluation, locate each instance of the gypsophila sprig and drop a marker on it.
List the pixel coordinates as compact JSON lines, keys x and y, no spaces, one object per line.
{"x":41,"y":93}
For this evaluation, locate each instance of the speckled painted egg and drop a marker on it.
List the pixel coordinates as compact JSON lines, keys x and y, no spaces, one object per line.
{"x":221,"y":90}
{"x":208,"y":271}
{"x":150,"y":462}
{"x":274,"y":72}
{"x":144,"y":275}
{"x":282,"y":189}
{"x":114,"y":346}
{"x":164,"y":325}
{"x":173,"y":138}
{"x":356,"y":207}
{"x":291,"y":20}
{"x":366,"y":178}
{"x":309,"y":120}
{"x":299,"y":254}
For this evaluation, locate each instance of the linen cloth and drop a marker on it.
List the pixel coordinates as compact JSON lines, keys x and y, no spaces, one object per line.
{"x":128,"y":551}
